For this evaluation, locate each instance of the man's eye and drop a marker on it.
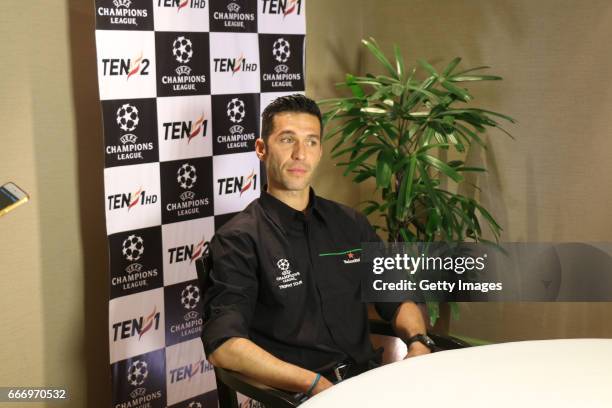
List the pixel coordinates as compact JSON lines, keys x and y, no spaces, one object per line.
{"x":313,"y":142}
{"x":286,"y":140}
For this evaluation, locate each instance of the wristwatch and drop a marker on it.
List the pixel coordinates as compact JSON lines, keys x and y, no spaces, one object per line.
{"x":423,"y":339}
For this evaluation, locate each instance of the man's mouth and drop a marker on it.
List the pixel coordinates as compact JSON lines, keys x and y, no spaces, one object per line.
{"x":297,"y":170}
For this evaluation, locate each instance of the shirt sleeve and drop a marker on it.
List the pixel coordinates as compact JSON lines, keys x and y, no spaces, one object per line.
{"x":386,"y":310}
{"x":231,"y":296}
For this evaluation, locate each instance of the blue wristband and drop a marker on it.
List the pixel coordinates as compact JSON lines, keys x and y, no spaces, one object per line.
{"x":314,"y":384}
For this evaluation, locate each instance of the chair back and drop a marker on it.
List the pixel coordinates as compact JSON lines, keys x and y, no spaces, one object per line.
{"x":227,"y":397}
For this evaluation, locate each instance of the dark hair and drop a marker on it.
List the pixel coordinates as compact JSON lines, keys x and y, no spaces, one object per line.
{"x":289,"y":103}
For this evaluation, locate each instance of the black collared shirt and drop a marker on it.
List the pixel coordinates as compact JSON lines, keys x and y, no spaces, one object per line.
{"x":289,"y":281}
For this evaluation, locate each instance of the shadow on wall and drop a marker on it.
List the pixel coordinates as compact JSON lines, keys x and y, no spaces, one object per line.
{"x":91,"y":195}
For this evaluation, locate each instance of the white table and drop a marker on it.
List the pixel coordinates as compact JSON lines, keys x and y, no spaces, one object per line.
{"x":573,"y":373}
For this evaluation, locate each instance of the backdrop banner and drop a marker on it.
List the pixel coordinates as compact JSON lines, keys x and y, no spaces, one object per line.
{"x":182,"y":85}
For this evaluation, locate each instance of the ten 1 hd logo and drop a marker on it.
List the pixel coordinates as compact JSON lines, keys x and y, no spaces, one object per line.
{"x":138,"y":381}
{"x":186,"y":189}
{"x":281,"y":62}
{"x":234,"y":65}
{"x":182,"y":63}
{"x":190,"y":372}
{"x":130,"y":200}
{"x":130,"y":130}
{"x":136,"y":261}
{"x":124,"y":15}
{"x":282,"y":7}
{"x":183,"y":318}
{"x":236,"y":123}
{"x":233,"y":16}
{"x":182,"y":5}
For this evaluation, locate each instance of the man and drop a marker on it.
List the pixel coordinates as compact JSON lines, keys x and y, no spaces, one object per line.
{"x":284,"y":303}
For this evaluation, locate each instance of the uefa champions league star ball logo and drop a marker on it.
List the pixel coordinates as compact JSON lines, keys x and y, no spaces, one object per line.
{"x":127,"y":117}
{"x":137,"y":373}
{"x":281,"y":50}
{"x":236,"y":110}
{"x":194,"y":404}
{"x":283,"y":265}
{"x":186,"y":176}
{"x":190,"y":296}
{"x":133,"y":247}
{"x":182,"y":49}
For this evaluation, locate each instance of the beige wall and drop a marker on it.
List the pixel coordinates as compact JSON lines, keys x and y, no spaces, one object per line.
{"x":552,"y":183}
{"x":54,"y":284}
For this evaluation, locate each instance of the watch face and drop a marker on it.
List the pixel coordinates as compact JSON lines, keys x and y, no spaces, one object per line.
{"x":428,"y":341}
{"x":423,"y":339}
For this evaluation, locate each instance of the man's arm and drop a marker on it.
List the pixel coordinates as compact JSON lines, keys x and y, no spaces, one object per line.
{"x":407,"y":322}
{"x":228,"y":308}
{"x":243,"y":356}
{"x":406,"y":317}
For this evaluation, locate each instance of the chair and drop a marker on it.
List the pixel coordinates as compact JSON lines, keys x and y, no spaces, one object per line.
{"x":229,"y":382}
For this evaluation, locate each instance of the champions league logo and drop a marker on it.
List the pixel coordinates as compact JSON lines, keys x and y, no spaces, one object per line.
{"x":127,"y":120}
{"x":132,"y":250}
{"x":287,"y":278}
{"x":120,"y":15}
{"x":189,"y":197}
{"x":190,"y":296}
{"x":186,"y":177}
{"x":281,"y":50}
{"x":183,"y":323}
{"x":282,"y":72}
{"x":185,"y":76}
{"x":236,"y":123}
{"x":182,"y":49}
{"x":127,"y":117}
{"x":235,"y":113}
{"x":135,"y":261}
{"x":139,"y":373}
{"x":234,"y":17}
{"x":194,"y":404}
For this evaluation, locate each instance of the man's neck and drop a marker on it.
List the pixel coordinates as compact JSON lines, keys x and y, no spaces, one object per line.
{"x":298,"y":200}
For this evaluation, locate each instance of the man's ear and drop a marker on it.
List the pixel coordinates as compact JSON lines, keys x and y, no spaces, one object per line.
{"x":260,"y":149}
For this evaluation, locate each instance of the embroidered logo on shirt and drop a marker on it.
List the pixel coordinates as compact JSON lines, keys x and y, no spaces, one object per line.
{"x":288,"y":278}
{"x":349,"y":256}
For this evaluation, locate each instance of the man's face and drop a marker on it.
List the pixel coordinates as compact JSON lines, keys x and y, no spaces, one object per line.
{"x":293,"y":150}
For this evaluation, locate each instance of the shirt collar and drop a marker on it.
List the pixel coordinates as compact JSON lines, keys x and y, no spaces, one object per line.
{"x":282,"y":214}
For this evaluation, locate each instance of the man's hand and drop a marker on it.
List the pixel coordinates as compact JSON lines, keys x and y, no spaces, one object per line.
{"x":417,"y":349}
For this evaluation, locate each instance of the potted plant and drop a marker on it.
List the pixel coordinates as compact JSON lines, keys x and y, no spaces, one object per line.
{"x":392,"y":128}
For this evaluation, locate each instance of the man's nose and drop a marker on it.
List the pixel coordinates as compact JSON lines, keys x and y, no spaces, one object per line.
{"x":299,"y":151}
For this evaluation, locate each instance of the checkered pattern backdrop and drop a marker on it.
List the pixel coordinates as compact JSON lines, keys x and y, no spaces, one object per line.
{"x":182,"y":86}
